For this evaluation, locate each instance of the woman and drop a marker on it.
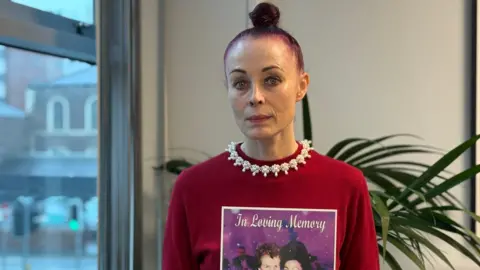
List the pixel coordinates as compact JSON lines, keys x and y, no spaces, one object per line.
{"x":295,"y":256}
{"x":265,"y":77}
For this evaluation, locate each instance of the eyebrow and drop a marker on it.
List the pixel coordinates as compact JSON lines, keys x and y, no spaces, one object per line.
{"x":263,"y":69}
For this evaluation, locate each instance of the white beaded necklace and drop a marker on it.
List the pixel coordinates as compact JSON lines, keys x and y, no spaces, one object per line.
{"x":276,"y":168}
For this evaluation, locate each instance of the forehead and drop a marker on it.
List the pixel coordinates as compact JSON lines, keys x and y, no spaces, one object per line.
{"x":268,"y":259}
{"x":292,"y":263}
{"x":256,"y":53}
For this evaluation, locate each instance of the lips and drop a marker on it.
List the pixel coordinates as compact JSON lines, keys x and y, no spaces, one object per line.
{"x":258,"y":118}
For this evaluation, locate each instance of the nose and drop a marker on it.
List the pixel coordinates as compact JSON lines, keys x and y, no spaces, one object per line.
{"x":256,"y":96}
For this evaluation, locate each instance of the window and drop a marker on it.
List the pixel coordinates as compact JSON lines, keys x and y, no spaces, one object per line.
{"x":32,"y":180}
{"x":52,"y":198}
{"x":58,"y":114}
{"x":3,"y":90}
{"x":59,"y":151}
{"x":29,"y":100}
{"x":3,"y":67}
{"x":91,"y":113}
{"x":31,"y":24}
{"x":79,"y":10}
{"x":91,"y":151}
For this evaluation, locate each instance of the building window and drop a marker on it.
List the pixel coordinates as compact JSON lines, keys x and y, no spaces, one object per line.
{"x":30,"y":98}
{"x":58,"y":117}
{"x":58,"y":152}
{"x":91,"y":114}
{"x":91,"y":152}
{"x":58,"y":114}
{"x":3,"y":89}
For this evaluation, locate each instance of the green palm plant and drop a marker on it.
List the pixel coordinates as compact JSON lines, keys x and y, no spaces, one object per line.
{"x":411,"y":200}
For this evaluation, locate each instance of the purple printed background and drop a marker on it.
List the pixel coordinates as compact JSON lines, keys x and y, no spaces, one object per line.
{"x":320,"y":244}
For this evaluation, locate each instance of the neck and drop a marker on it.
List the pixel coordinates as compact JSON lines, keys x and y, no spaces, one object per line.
{"x":279,"y":146}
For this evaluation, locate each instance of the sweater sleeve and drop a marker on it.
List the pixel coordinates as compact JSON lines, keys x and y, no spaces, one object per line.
{"x":359,"y":250}
{"x":177,"y":249}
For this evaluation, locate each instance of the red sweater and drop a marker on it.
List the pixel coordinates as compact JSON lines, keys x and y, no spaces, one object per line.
{"x":319,"y":215}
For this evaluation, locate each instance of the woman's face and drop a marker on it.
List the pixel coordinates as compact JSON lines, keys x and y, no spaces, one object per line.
{"x":292,"y":265}
{"x":264,"y":84}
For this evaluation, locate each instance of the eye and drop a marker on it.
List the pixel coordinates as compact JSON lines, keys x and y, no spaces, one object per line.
{"x":240,"y":85}
{"x":272,"y":81}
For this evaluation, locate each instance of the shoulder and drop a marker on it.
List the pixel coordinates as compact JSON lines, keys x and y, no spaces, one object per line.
{"x":345,"y":174}
{"x":201,"y":172}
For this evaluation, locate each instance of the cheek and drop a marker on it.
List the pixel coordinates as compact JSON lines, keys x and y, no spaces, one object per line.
{"x":284,"y":101}
{"x":236,"y":102}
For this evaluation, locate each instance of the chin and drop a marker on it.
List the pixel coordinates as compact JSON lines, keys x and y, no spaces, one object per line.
{"x":258,"y":134}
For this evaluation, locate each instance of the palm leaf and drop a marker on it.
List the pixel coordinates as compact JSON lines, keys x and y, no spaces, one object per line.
{"x":450,"y":183}
{"x":424,"y":241}
{"x":175,"y":166}
{"x":438,"y":167}
{"x":390,"y":168}
{"x":407,"y":251}
{"x":390,"y":259}
{"x":358,"y":145}
{"x":337,"y":148}
{"x":426,"y":227}
{"x":375,"y":156}
{"x":380,"y":207}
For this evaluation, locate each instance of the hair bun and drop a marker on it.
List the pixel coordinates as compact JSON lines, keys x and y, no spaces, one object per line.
{"x":265,"y":15}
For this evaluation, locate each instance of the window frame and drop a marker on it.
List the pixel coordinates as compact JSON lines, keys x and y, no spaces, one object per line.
{"x":121,"y":218}
{"x":43,"y":32}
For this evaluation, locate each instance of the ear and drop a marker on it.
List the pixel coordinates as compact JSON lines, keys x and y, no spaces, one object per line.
{"x":303,"y":86}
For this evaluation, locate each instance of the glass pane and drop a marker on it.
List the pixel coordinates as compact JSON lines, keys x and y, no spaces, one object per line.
{"x":93,"y":115}
{"x":80,"y":10}
{"x":48,"y":163}
{"x":58,"y":115}
{"x":3,"y":66}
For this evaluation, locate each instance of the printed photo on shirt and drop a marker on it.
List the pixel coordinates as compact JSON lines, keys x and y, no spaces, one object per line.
{"x":278,"y":238}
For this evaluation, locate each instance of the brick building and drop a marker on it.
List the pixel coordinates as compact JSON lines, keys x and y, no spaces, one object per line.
{"x":48,"y":128}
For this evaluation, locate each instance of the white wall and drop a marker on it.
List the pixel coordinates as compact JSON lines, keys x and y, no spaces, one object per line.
{"x":377,"y":67}
{"x":151,"y":58}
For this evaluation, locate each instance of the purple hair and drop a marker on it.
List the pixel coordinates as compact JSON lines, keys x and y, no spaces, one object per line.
{"x":265,"y":17}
